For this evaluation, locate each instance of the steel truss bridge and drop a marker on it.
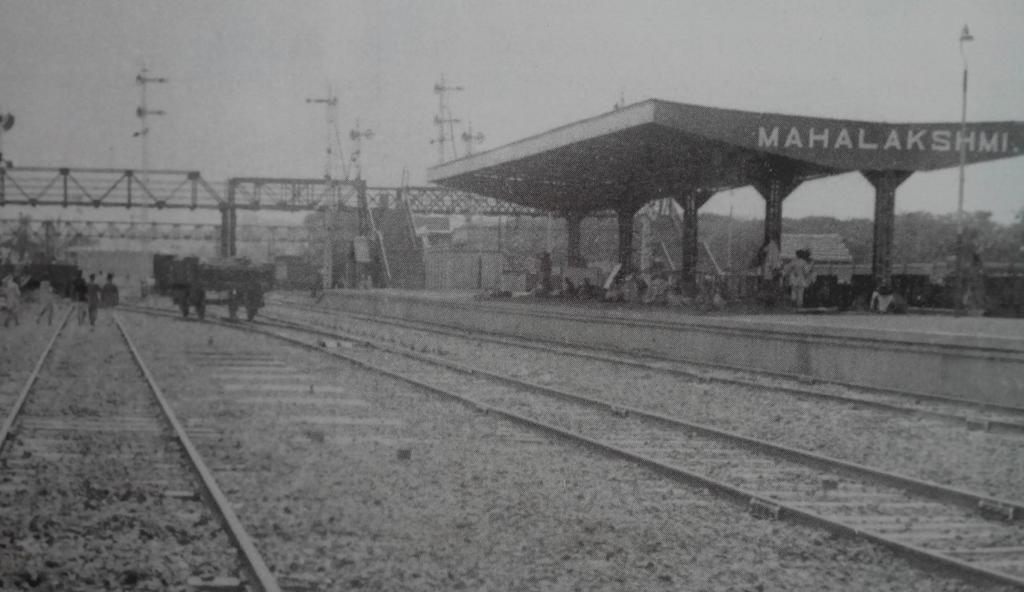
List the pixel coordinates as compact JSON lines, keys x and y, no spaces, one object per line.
{"x":188,"y":190}
{"x":67,"y":231}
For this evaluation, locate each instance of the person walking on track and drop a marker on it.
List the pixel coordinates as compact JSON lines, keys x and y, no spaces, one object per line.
{"x":45,"y":296}
{"x":80,"y":294}
{"x":12,"y":297}
{"x":109,"y":297}
{"x":93,"y":299}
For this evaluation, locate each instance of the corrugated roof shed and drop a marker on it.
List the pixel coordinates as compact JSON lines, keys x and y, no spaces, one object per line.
{"x":825,"y":248}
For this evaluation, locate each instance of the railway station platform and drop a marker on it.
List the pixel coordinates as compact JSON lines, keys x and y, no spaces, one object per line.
{"x":968,"y":358}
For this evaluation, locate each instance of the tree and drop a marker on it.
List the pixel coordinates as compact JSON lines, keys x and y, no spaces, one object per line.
{"x":21,"y":244}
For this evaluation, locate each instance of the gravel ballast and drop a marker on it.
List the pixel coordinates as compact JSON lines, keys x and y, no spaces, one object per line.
{"x":85,"y":481}
{"x":368,"y":483}
{"x":924,"y":448}
{"x":20,"y":348}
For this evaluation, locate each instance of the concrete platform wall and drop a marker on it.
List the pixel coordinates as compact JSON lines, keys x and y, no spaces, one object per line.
{"x":988,"y":371}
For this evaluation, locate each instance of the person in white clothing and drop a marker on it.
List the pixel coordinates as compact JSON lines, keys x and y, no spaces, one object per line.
{"x":12,"y":297}
{"x":45,"y":296}
{"x":883,"y":299}
{"x":799,"y":274}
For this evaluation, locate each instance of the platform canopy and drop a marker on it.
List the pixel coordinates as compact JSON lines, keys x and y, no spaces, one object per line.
{"x":658,"y":148}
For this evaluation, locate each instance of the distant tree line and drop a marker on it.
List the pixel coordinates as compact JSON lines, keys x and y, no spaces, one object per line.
{"x":22,"y":241}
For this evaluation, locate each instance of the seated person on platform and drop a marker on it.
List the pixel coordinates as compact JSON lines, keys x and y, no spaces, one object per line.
{"x":587,"y":289}
{"x":882,"y":300}
{"x":568,"y":288}
{"x":615,"y":293}
{"x":657,"y":290}
{"x":639,"y":288}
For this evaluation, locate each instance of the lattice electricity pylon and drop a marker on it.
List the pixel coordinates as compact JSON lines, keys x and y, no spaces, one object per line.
{"x":444,"y":120}
{"x":470,"y":138}
{"x":357,"y":136}
{"x":333,"y":143}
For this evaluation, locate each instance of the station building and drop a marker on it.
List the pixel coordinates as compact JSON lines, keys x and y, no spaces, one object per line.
{"x":621,"y":160}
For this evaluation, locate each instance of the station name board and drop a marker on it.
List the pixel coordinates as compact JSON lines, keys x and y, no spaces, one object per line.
{"x":874,"y":138}
{"x":902,"y":138}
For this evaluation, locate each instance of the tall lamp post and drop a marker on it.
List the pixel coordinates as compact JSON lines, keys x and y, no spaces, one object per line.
{"x":965,"y":35}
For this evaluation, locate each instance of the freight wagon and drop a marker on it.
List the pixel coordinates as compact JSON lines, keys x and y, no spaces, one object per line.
{"x":295,"y":272}
{"x":193,"y":284}
{"x":60,"y":275}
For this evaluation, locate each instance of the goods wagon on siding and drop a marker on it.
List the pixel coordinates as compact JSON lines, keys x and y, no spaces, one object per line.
{"x":293,"y":272}
{"x":193,"y":284}
{"x":60,"y":275}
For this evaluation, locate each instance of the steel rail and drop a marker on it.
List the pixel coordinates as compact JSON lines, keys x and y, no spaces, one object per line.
{"x":987,"y":424}
{"x":962,"y":497}
{"x":739,"y":494}
{"x":19,"y":403}
{"x":787,"y":375}
{"x":257,"y":570}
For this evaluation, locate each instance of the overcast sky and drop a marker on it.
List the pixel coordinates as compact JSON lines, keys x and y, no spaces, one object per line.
{"x":240,"y":73}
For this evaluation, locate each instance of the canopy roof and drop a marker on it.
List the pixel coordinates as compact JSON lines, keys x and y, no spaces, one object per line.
{"x":659,"y":149}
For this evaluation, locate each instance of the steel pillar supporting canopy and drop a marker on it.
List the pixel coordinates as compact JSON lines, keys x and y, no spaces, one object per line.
{"x":658,"y":148}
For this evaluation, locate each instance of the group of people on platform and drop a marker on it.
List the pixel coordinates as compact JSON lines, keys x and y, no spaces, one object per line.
{"x":796,"y":274}
{"x":658,"y":285}
{"x":87,"y":298}
{"x":653,"y":286}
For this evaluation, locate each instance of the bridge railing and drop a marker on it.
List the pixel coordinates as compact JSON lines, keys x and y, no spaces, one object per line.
{"x":39,"y":229}
{"x":445,"y":201}
{"x":292,"y":194}
{"x":78,"y":187}
{"x":179,"y":189}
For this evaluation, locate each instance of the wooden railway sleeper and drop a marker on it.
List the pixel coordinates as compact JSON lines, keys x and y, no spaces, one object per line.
{"x":996,"y":509}
{"x":670,"y":365}
{"x":755,"y":501}
{"x":977,"y":424}
{"x":762,"y":508}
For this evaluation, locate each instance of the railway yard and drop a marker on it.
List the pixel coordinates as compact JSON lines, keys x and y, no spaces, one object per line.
{"x":327,"y":450}
{"x":653,"y":312}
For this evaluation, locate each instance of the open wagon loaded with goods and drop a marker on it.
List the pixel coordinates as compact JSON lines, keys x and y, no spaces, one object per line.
{"x":191,"y":283}
{"x":29,"y":276}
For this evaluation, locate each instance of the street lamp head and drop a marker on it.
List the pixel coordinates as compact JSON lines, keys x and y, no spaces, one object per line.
{"x":965,"y":35}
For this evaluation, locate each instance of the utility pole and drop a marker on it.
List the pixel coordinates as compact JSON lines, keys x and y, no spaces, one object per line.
{"x":960,"y":305}
{"x":358,"y":135}
{"x":330,"y":104}
{"x":143,"y":112}
{"x":444,"y":121}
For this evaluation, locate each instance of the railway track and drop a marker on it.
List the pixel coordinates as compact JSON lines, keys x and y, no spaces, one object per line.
{"x":960,"y":531}
{"x":990,"y":418}
{"x":100,"y":486}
